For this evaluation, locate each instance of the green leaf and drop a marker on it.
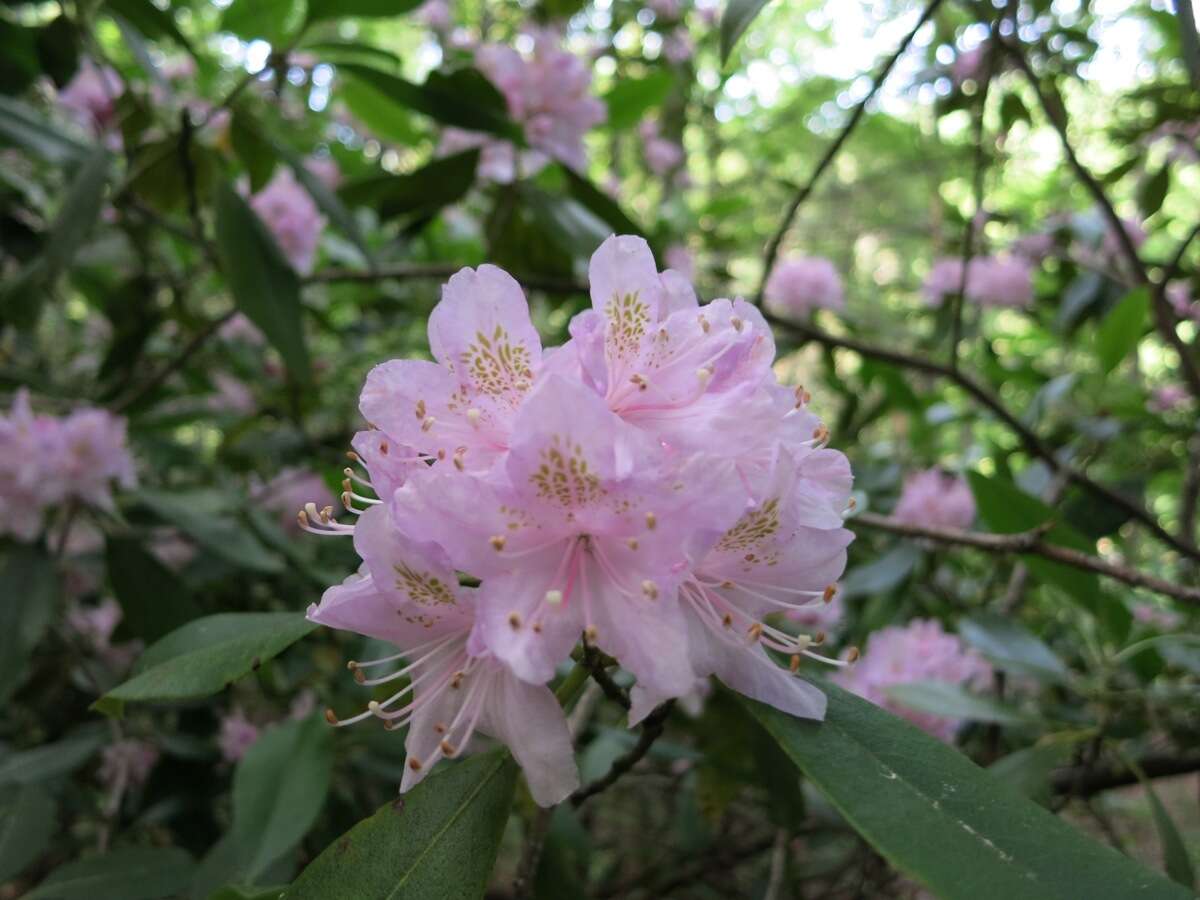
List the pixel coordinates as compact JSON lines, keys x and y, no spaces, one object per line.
{"x":133,"y":873}
{"x":1005,"y":507}
{"x":1012,"y":111}
{"x":363,"y":9}
{"x":253,"y":151}
{"x":938,"y":817}
{"x":279,"y":787}
{"x":19,"y":64}
{"x":1176,"y":859}
{"x":631,"y":98}
{"x":27,"y":822}
{"x":1189,"y":41}
{"x":338,"y":52}
{"x":735,"y":20}
{"x":445,"y":831}
{"x":55,"y":759}
{"x":463,"y":98}
{"x":570,"y":224}
{"x":212,"y":528}
{"x":1012,"y":647}
{"x":421,"y":193}
{"x":600,"y":204}
{"x":205,"y":656}
{"x":271,"y":20}
{"x":158,"y":177}
{"x":1121,"y":330}
{"x":264,"y":285}
{"x":78,"y":214}
{"x":881,"y":575}
{"x":23,"y":126}
{"x":237,"y":892}
{"x":951,"y":700}
{"x":30,"y":587}
{"x":150,"y":20}
{"x":58,"y":49}
{"x":1153,"y":190}
{"x":153,"y":600}
{"x":1029,"y":769}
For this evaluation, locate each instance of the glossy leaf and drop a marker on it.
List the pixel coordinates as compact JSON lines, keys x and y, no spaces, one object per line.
{"x":205,"y":656}
{"x":600,"y":204}
{"x":133,"y":873}
{"x":1012,"y":647}
{"x":78,"y":214}
{"x":1153,"y":190}
{"x":631,"y":98}
{"x":263,"y":283}
{"x":150,"y":20}
{"x":30,"y":588}
{"x":27,"y":823}
{"x":1121,"y":330}
{"x":939,"y":818}
{"x":153,"y":600}
{"x":735,"y":20}
{"x":279,"y":787}
{"x":423,"y":192}
{"x":446,"y":831}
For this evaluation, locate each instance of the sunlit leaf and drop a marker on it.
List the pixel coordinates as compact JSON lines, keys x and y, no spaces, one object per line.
{"x":735,"y":20}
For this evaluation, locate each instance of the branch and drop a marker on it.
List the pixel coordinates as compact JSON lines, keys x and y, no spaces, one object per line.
{"x":833,"y":149}
{"x":985,"y":398}
{"x":1083,"y":781}
{"x":592,"y":660}
{"x":652,"y":729}
{"x":175,"y":364}
{"x":435,"y":271}
{"x":1031,"y":542}
{"x":1164,"y":316}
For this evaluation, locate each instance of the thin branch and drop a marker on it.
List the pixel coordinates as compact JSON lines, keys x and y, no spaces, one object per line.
{"x":1084,"y":781}
{"x":985,"y":398}
{"x":652,"y":729}
{"x":832,"y":151}
{"x":592,"y":660}
{"x":175,"y":364}
{"x":1030,"y":542}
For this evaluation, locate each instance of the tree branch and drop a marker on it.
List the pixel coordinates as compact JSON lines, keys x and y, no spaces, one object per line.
{"x":831,"y":152}
{"x":985,"y":398}
{"x":652,"y":729}
{"x":1030,"y":542}
{"x":1083,"y":781}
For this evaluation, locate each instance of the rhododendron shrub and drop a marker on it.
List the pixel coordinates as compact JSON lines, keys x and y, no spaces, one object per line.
{"x":652,"y":448}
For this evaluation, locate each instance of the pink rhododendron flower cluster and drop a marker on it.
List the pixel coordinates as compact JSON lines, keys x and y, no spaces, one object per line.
{"x":127,"y":764}
{"x":918,"y":651}
{"x":1167,"y":398}
{"x":1003,"y":281}
{"x":662,"y":154}
{"x":677,"y":45}
{"x":435,"y":14}
{"x":91,"y":98}
{"x":935,"y":499}
{"x":291,"y":214}
{"x":46,"y":461}
{"x":801,"y":284}
{"x":548,"y":93}
{"x":648,"y":487}
{"x":237,"y":734}
{"x":94,"y":625}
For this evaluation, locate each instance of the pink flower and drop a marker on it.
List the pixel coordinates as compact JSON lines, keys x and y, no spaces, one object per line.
{"x":435,"y":14}
{"x":583,"y":488}
{"x":127,"y":764}
{"x":935,"y":499}
{"x":240,"y":328}
{"x":917,"y":652}
{"x":286,"y":208}
{"x":945,"y":279}
{"x":681,"y":259}
{"x":408,"y":594}
{"x":969,"y":65}
{"x":237,"y":735}
{"x":662,"y":155}
{"x":45,"y":461}
{"x":801,"y":284}
{"x":1167,"y":398}
{"x":232,"y":395}
{"x":1034,"y":247}
{"x":1179,"y":295}
{"x":1003,"y":281}
{"x":94,"y":625}
{"x":548,"y":93}
{"x":91,"y":97}
{"x":666,"y":9}
{"x":677,"y":45}
{"x":325,"y":168}
{"x":1155,"y":616}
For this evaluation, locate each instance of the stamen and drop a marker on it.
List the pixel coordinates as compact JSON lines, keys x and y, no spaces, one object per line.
{"x":458,"y":458}
{"x":447,"y":748}
{"x":829,"y":593}
{"x":352,"y":456}
{"x":631,"y":543}
{"x":427,"y":423}
{"x":419,"y":410}
{"x":650,"y":589}
{"x":590,"y":634}
{"x":639,"y":380}
{"x":651,"y":521}
{"x":497,"y":541}
{"x":514,"y":621}
{"x":414,"y":764}
{"x":704,"y":324}
{"x":852,"y":655}
{"x":794,"y":663}
{"x":736,"y":323}
{"x":755,"y":631}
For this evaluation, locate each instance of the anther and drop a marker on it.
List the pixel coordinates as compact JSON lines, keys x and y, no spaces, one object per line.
{"x":447,"y":748}
{"x":440,"y":727}
{"x":590,"y":634}
{"x":414,"y":764}
{"x":639,"y":380}
{"x":818,"y":638}
{"x":458,"y":458}
{"x":374,"y":707}
{"x":514,"y":620}
{"x":302,"y":519}
{"x":736,"y":323}
{"x":631,"y":543}
{"x":457,"y":680}
{"x":497,"y":542}
{"x":829,"y":593}
{"x":554,"y":597}
{"x":727,"y":620}
{"x":427,"y":423}
{"x":755,"y":631}
{"x":852,"y":656}
{"x":331,"y":716}
{"x":650,"y":589}
{"x":473,"y":416}
{"x":651,"y":521}
{"x":420,"y":410}
{"x":794,"y":663}
{"x":704,"y":324}
{"x":352,"y":456}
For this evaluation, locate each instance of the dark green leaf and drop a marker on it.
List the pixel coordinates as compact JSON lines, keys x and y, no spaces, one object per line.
{"x":462,"y":98}
{"x":279,"y":788}
{"x":365,"y":9}
{"x":1122,"y":329}
{"x":234,"y":892}
{"x":159,"y":178}
{"x":735,"y":20}
{"x":1188,"y":40}
{"x":19,"y":63}
{"x":939,"y":818}
{"x":133,"y":873}
{"x":58,"y":50}
{"x":1005,"y":507}
{"x":150,"y":20}
{"x":205,"y":656}
{"x":423,"y":192}
{"x":253,"y":150}
{"x":263,"y":283}
{"x":944,"y":699}
{"x":570,"y":224}
{"x":600,"y":204}
{"x":27,"y":822}
{"x":153,"y":600}
{"x":1012,"y":111}
{"x":1176,"y":859}
{"x":338,"y":52}
{"x":631,"y":98}
{"x":271,"y":20}
{"x":1012,"y":647}
{"x":1028,"y":770}
{"x":53,"y":760}
{"x":882,"y":574}
{"x":78,"y":214}
{"x":446,"y":831}
{"x":212,"y":528}
{"x":1153,"y":190}
{"x":30,"y":587}
{"x":23,"y":126}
